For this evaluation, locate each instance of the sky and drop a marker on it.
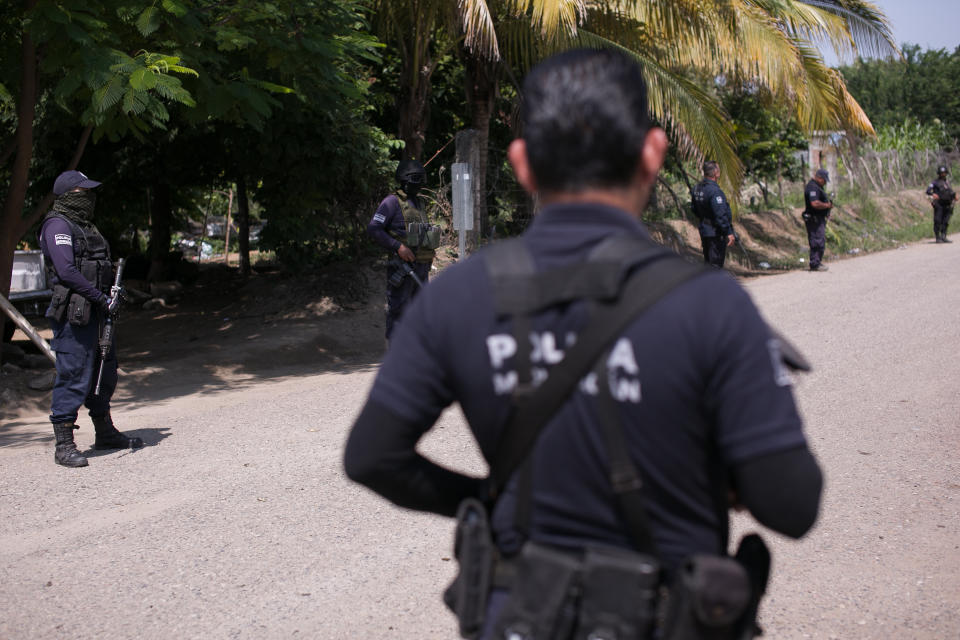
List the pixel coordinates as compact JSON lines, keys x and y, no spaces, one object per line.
{"x":932,"y":24}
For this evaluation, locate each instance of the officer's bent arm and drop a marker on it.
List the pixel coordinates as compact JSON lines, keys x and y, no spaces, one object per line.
{"x":782,"y":490}
{"x":820,"y":204}
{"x":381,"y":455}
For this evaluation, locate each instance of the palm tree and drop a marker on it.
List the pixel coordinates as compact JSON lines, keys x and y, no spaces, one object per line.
{"x":769,"y":44}
{"x":682,"y":46}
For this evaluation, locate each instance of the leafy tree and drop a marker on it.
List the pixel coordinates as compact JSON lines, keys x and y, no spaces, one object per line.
{"x":923,"y":85}
{"x":765,"y":135}
{"x":117,"y":87}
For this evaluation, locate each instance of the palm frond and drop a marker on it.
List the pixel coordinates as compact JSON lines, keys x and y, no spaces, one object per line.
{"x":480,"y":35}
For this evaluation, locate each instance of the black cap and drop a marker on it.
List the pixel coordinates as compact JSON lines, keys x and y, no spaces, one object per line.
{"x":822,"y":173}
{"x":942,"y":169}
{"x":69,"y":180}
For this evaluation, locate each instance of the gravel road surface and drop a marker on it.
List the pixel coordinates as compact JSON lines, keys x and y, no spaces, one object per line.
{"x":237,"y":521}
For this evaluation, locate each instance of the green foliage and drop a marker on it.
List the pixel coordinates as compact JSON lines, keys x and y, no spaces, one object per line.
{"x":766,"y":136}
{"x":910,"y":135}
{"x":922,"y":87}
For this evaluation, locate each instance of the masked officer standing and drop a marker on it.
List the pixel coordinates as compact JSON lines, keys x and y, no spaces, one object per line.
{"x":711,"y":206}
{"x":681,"y":410}
{"x":391,"y":228}
{"x":942,"y":197}
{"x":81,"y":273}
{"x":815,"y":216}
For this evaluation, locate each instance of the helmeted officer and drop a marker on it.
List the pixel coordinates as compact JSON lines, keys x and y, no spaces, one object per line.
{"x":81,"y":274}
{"x":711,"y":207}
{"x":815,"y":215}
{"x":391,"y":228}
{"x":942,"y":197}
{"x":702,"y":403}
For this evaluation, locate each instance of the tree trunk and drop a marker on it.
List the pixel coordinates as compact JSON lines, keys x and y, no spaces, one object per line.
{"x":12,"y":224}
{"x":161,"y":217}
{"x":243,"y":226}
{"x":482,"y":86}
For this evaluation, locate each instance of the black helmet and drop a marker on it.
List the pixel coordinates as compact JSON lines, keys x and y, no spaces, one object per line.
{"x":410,"y":172}
{"x":942,"y":169}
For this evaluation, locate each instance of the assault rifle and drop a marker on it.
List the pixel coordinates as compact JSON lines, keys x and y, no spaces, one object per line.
{"x":404,"y":270}
{"x":106,"y":334}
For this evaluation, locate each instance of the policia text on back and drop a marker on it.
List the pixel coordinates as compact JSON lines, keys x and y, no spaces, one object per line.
{"x":600,"y":593}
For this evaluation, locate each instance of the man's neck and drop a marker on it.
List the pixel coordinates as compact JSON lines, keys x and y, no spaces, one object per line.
{"x":628,"y":200}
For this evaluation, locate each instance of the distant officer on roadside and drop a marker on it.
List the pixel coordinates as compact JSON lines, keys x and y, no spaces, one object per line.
{"x":400,"y":226}
{"x":711,"y":207}
{"x":81,"y":273}
{"x":818,"y":206}
{"x":942,"y":197}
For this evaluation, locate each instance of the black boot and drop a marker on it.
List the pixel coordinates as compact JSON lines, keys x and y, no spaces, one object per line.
{"x":66,"y":453}
{"x":944,"y":238}
{"x":109,"y":438}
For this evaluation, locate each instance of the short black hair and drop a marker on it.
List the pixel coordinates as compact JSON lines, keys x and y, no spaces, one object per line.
{"x":584,"y":120}
{"x":710,"y":168}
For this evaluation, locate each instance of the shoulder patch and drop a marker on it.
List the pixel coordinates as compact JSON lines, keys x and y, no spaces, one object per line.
{"x":813,"y":194}
{"x":379,"y":217}
{"x":63,"y":238}
{"x":720,"y":199}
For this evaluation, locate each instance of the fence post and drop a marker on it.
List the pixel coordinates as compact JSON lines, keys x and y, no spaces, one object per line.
{"x":468,"y":151}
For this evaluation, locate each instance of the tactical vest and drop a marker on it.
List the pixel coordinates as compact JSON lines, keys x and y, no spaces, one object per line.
{"x":422,"y":237}
{"x":91,"y":254}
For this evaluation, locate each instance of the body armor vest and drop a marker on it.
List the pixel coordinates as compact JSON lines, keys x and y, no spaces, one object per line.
{"x":91,"y":254}
{"x":422,"y":237}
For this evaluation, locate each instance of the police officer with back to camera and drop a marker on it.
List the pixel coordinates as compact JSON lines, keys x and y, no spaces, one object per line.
{"x":815,"y":215}
{"x":400,"y":226}
{"x":620,"y":424}
{"x":942,"y":197}
{"x":711,"y":207}
{"x":81,"y":273}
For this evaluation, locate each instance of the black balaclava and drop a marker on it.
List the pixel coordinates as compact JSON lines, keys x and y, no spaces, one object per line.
{"x":77,"y":205}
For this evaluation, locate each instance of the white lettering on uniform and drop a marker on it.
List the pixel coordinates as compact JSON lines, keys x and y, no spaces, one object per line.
{"x":589,"y":384}
{"x":500,"y":347}
{"x":545,"y":348}
{"x":504,"y":383}
{"x":622,"y":356}
{"x":625,"y":390}
{"x":62,"y":238}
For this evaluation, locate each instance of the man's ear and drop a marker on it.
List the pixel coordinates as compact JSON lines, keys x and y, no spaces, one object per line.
{"x":517,"y":154}
{"x":653,"y":155}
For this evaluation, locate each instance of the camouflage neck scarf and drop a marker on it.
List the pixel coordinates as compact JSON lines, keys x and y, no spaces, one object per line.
{"x":77,"y":205}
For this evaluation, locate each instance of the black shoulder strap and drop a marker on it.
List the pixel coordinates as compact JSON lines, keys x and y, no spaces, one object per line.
{"x":663,"y":271}
{"x":625,"y":478}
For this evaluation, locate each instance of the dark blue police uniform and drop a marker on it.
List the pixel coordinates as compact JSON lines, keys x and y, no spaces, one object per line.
{"x":942,"y":211}
{"x":386,"y":228}
{"x":816,"y":222}
{"x":711,"y":207}
{"x":701,"y":396}
{"x":76,"y":345}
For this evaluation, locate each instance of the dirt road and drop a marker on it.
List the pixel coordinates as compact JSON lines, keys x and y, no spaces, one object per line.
{"x":237,"y":522}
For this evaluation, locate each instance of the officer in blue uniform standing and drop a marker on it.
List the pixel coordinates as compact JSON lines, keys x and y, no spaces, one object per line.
{"x":81,"y":273}
{"x":815,"y":215}
{"x":942,"y":197}
{"x":703,"y":401}
{"x":390,"y":228}
{"x":711,"y":207}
